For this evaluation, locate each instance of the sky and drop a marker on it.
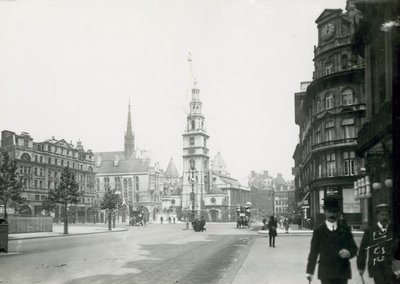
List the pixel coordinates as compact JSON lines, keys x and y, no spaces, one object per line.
{"x":68,"y":69}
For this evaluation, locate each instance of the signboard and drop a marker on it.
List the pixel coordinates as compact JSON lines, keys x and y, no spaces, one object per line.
{"x":305,"y":206}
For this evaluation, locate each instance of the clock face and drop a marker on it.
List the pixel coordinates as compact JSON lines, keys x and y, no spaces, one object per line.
{"x":327,"y":31}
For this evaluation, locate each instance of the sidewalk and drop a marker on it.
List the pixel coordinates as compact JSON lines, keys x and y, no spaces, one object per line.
{"x":291,"y":231}
{"x":73,"y":229}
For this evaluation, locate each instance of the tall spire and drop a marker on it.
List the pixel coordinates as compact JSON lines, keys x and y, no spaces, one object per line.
{"x":129,"y":136}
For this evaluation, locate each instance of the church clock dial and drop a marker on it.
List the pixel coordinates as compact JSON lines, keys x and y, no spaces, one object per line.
{"x":327,"y":31}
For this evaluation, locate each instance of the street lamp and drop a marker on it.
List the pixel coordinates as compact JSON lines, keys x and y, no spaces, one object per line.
{"x":192,"y":179}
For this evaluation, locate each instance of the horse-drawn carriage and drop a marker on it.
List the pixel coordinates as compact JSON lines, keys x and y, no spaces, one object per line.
{"x":243,"y":216}
{"x":136,"y":217}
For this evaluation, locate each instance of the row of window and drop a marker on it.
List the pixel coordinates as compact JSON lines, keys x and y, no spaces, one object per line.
{"x":55,"y":161}
{"x":329,"y":101}
{"x":348,"y":166}
{"x":63,"y":151}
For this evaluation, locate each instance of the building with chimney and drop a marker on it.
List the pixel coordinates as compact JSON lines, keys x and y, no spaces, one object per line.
{"x":41,"y":164}
{"x":131,"y":173}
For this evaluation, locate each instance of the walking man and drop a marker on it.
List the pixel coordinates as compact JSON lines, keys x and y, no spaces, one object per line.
{"x":334,"y":243}
{"x":272,"y":225}
{"x":377,"y":240}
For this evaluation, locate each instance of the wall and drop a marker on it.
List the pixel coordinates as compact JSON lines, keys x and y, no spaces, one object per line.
{"x":29,"y":224}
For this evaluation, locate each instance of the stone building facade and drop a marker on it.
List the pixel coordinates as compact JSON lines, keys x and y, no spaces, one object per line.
{"x":131,"y":173}
{"x":329,"y":113}
{"x":41,"y":164}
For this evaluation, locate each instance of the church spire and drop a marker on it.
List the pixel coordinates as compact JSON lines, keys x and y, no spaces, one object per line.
{"x":129,"y":136}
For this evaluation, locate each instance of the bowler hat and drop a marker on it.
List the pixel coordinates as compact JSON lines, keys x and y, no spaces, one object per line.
{"x":331,"y":203}
{"x":382,"y":207}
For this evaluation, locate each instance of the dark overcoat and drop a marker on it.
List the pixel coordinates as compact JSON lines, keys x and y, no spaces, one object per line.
{"x":327,"y":245}
{"x":272,"y":225}
{"x":379,"y":244}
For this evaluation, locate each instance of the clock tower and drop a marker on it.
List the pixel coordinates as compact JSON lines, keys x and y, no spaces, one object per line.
{"x":195,"y":158}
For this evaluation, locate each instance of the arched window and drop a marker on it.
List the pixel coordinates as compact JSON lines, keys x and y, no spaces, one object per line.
{"x":25,"y":157}
{"x":125,"y":183}
{"x":347,"y":97}
{"x":191,"y":141}
{"x":130,"y":184}
{"x":193,"y":124}
{"x":329,"y":101}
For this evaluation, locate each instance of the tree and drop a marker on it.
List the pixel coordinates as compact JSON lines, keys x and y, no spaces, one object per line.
{"x":66,"y":193}
{"x":110,"y":201}
{"x":10,"y":183}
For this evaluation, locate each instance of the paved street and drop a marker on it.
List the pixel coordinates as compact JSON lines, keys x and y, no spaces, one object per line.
{"x":159,"y":254}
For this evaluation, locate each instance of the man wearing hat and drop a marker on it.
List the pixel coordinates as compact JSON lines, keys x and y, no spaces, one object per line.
{"x":334,"y":243}
{"x":377,"y":240}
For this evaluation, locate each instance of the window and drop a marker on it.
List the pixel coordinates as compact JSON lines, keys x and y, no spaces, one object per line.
{"x":62,"y":163}
{"x":26,"y":143}
{"x":329,"y":130}
{"x":37,"y":197}
{"x":193,"y":124}
{"x":329,"y":68}
{"x":319,"y":106}
{"x":137,"y":183}
{"x":347,"y":97}
{"x":349,"y":163}
{"x":40,"y":184}
{"x":36,"y":158}
{"x":41,"y":159}
{"x":49,"y":160}
{"x":329,"y":101}
{"x":349,"y":130}
{"x":191,"y":141}
{"x":36,"y":183}
{"x":331,"y":164}
{"x":36,"y":171}
{"x":318,"y":135}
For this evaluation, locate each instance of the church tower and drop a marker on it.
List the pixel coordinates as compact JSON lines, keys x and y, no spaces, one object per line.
{"x":129,"y":137}
{"x":195,"y":158}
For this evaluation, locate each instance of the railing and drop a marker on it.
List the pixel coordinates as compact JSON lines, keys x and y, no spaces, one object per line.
{"x":352,"y":141}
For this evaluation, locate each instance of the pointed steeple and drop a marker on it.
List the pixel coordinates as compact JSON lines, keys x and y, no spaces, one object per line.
{"x":171,"y":171}
{"x":129,"y":136}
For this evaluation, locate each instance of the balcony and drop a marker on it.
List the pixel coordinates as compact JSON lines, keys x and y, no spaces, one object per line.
{"x":373,"y":131}
{"x":334,"y":143}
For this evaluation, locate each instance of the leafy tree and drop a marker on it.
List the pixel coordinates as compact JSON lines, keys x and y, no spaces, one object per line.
{"x":110,"y":201}
{"x":66,"y":193}
{"x":10,"y":183}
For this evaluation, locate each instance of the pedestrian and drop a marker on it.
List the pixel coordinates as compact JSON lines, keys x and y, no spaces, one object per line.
{"x":161,"y":219}
{"x":286,"y":225}
{"x":335,"y":246}
{"x":272,"y":225}
{"x":264,"y":220}
{"x":173,"y":219}
{"x":202,"y":224}
{"x":169,"y":220}
{"x":377,"y":241}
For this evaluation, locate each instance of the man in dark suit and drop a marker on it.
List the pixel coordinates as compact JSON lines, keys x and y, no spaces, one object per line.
{"x":377,"y":240}
{"x":334,"y":243}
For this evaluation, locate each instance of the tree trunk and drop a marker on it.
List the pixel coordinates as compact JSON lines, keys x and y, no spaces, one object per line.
{"x":65,"y":220}
{"x":5,"y":210}
{"x":109,"y":220}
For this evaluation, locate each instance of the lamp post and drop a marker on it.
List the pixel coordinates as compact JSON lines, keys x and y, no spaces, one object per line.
{"x":192,"y":179}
